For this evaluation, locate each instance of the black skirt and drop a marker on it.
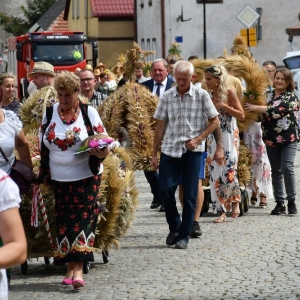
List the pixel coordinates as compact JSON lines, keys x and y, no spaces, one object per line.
{"x":76,"y":209}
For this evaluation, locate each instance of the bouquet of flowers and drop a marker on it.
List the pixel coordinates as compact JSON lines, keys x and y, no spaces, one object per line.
{"x":95,"y":141}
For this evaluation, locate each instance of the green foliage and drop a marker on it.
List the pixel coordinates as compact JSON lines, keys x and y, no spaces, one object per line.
{"x":14,"y":25}
{"x":35,"y":9}
{"x":32,"y":12}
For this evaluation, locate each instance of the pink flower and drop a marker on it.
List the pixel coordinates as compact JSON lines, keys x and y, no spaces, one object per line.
{"x":94,"y":144}
{"x":279,"y":139}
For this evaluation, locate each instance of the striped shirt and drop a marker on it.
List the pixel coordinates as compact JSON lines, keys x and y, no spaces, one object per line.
{"x":185,"y":117}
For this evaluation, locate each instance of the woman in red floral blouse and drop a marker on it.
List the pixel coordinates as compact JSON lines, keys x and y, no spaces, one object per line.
{"x":75,"y":177}
{"x":280,"y":133}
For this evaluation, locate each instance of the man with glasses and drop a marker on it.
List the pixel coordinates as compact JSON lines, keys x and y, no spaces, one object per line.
{"x":87,"y":84}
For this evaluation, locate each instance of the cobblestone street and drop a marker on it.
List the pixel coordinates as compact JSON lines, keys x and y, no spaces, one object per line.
{"x":253,"y":257}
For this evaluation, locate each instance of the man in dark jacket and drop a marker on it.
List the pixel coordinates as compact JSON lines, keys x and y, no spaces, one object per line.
{"x":158,"y":84}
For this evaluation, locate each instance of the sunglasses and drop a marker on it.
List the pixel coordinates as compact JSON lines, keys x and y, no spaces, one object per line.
{"x":214,"y":71}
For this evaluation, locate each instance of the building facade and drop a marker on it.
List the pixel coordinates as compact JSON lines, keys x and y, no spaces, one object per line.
{"x":161,"y":22}
{"x":108,"y":22}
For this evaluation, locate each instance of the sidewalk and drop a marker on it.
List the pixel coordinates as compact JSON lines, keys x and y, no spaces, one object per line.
{"x":252,"y":257}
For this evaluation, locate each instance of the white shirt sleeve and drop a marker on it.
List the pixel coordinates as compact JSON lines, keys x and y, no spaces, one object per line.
{"x":9,"y":192}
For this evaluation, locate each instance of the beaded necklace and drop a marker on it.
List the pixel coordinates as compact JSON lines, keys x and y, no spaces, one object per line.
{"x":74,"y":118}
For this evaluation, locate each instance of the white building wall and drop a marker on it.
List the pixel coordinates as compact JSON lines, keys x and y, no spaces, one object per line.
{"x":222,"y":26}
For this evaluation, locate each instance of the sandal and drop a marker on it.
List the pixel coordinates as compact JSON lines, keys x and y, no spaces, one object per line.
{"x":263,"y":204}
{"x":253,"y":200}
{"x":235,"y":212}
{"x":221,"y":219}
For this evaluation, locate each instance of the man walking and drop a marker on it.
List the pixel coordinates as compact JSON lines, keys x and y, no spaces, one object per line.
{"x":181,"y":130}
{"x":158,"y":84}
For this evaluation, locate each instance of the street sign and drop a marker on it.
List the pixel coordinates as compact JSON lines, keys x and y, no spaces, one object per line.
{"x":249,"y":35}
{"x":248,"y":16}
{"x":178,"y":39}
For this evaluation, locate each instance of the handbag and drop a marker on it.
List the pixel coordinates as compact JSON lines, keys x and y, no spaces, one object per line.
{"x":20,"y":174}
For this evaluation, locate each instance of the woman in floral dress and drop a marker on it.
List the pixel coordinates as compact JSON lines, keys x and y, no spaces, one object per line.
{"x":223,"y":157}
{"x":261,"y":181}
{"x":75,"y":178}
{"x":281,"y":134}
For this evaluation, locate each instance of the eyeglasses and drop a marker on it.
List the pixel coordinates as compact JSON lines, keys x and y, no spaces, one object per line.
{"x":105,"y":77}
{"x":86,"y":79}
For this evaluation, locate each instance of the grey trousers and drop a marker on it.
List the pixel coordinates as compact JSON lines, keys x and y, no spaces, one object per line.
{"x":283,"y":176}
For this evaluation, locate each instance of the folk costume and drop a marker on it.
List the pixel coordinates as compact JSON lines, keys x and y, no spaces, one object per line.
{"x":75,"y":179}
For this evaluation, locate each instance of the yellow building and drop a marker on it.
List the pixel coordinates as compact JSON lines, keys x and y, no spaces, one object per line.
{"x":109,"y":22}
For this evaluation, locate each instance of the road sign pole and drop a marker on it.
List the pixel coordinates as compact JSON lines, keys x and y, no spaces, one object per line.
{"x":248,"y":38}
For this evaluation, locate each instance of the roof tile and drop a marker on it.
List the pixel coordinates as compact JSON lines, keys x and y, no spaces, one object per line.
{"x":112,"y":8}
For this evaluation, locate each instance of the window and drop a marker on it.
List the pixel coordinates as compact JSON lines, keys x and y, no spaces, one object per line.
{"x":85,"y":9}
{"x":154,"y":48}
{"x":143,"y":44}
{"x":148,"y":46}
{"x":73,"y":9}
{"x":78,"y":9}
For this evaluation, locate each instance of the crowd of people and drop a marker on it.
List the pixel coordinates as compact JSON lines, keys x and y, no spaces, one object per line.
{"x":196,"y":124}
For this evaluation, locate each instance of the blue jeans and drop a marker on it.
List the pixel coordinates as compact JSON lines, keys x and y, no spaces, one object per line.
{"x":283,"y":176}
{"x":169,"y":170}
{"x":152,"y":178}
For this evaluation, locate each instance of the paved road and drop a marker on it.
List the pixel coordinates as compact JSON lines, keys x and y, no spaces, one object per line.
{"x":253,"y":257}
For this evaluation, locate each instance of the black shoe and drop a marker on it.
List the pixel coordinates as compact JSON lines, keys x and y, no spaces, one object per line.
{"x":155,"y":203}
{"x":171,"y":238}
{"x":279,"y":209}
{"x":182,"y":244}
{"x":196,"y":231}
{"x":292,"y":208}
{"x":162,"y":208}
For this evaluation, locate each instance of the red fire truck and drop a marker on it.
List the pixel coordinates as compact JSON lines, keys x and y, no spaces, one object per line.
{"x":65,"y":50}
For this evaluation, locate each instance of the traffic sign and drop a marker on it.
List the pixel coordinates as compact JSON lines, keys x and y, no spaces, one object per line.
{"x":248,"y":16}
{"x":249,"y":36}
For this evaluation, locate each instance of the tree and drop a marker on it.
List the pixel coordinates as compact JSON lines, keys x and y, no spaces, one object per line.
{"x":32,"y":12}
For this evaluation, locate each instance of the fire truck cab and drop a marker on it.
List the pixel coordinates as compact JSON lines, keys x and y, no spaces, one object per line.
{"x":66,"y":51}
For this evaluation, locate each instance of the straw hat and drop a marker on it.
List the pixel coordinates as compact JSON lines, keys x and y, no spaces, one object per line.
{"x":89,"y":67}
{"x":101,"y":65}
{"x":97,"y":72}
{"x":42,"y":67}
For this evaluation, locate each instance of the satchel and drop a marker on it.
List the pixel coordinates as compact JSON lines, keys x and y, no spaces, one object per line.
{"x":20,"y":174}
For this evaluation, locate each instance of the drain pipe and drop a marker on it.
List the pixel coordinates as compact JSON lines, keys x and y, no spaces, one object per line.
{"x":163,"y":29}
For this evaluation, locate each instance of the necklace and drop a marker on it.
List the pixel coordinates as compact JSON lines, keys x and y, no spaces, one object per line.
{"x":74,"y":118}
